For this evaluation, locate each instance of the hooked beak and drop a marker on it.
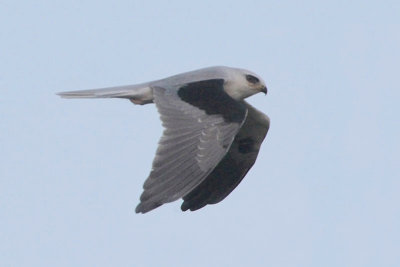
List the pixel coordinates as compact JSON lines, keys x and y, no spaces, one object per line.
{"x":264,"y":89}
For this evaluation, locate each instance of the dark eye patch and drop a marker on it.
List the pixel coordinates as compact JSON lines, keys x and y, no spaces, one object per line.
{"x":252,"y":79}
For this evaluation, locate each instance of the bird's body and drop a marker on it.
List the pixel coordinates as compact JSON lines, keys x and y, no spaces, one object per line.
{"x":211,"y":139}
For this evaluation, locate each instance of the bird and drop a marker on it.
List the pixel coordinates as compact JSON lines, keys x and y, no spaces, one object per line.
{"x":211,"y":136}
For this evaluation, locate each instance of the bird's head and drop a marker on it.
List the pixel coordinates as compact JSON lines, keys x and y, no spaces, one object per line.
{"x":241,"y":83}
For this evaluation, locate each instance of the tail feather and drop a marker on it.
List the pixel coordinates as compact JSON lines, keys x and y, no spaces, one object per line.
{"x":141,"y":93}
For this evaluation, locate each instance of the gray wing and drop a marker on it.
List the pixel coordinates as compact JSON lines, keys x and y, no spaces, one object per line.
{"x":234,"y":166}
{"x":199,"y":129}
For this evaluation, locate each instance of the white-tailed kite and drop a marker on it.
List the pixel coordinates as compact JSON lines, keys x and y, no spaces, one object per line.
{"x":211,"y":135}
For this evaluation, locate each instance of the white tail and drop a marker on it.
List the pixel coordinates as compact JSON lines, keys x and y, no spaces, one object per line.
{"x":138,"y":94}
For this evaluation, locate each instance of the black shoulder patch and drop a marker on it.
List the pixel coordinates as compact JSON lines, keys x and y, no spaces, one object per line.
{"x":209,"y":95}
{"x":246,"y":145}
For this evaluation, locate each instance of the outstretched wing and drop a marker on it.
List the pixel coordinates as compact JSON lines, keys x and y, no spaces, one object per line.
{"x":235,"y":164}
{"x":200,"y":122}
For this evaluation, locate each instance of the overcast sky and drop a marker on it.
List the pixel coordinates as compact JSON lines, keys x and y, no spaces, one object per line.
{"x":325,"y":190}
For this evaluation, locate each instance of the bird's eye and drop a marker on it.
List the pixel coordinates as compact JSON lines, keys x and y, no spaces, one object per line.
{"x":252,"y":79}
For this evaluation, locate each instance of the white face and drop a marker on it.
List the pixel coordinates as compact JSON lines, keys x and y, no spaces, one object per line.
{"x":243,"y":83}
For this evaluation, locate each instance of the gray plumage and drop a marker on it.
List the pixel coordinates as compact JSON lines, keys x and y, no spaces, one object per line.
{"x":211,"y":135}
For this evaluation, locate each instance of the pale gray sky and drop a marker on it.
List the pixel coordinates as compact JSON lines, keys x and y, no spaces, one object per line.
{"x":325,"y":190}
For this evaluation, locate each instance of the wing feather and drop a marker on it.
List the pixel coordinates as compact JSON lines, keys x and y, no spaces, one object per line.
{"x":234,"y":166}
{"x":193,"y":143}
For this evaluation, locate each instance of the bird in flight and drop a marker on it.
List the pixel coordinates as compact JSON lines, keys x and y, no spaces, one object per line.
{"x":211,"y":135}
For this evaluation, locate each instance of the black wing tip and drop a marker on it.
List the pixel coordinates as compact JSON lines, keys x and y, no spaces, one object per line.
{"x":144,"y":207}
{"x":184,"y":206}
{"x":189,"y":205}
